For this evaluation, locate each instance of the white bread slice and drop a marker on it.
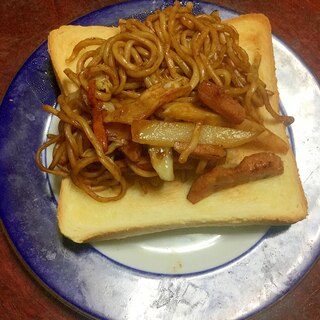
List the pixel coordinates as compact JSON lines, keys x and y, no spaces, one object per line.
{"x":61,"y":43}
{"x":277,"y":200}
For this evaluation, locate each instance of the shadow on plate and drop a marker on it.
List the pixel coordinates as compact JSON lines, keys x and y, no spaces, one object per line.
{"x":188,"y":232}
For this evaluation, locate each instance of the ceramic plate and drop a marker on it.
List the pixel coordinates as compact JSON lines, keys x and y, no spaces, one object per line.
{"x":190,"y":274}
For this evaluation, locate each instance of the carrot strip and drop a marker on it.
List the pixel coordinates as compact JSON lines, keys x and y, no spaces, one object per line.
{"x":97,"y":118}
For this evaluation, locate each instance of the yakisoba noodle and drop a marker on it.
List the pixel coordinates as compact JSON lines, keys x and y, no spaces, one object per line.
{"x":171,"y":48}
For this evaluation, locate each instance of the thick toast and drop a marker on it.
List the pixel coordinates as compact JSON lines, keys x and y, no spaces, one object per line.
{"x":277,"y":200}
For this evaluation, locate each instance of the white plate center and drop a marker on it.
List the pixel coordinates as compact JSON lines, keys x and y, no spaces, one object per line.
{"x":183,"y":251}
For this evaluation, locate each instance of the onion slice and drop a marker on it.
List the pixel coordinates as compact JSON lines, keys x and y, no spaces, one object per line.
{"x":162,"y":162}
{"x":165,"y":134}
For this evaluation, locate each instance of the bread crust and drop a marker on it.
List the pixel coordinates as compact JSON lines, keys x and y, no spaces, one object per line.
{"x":274,"y":201}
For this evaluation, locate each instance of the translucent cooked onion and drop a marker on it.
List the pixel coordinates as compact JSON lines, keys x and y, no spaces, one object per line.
{"x":162,"y":162}
{"x":165,"y":134}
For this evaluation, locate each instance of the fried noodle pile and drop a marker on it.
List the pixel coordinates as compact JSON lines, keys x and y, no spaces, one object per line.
{"x":143,"y":109}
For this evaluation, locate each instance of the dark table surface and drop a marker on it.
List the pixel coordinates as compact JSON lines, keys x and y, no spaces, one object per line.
{"x":25,"y":25}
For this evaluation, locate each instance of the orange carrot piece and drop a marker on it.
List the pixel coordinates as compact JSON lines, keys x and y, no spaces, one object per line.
{"x":97,"y":118}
